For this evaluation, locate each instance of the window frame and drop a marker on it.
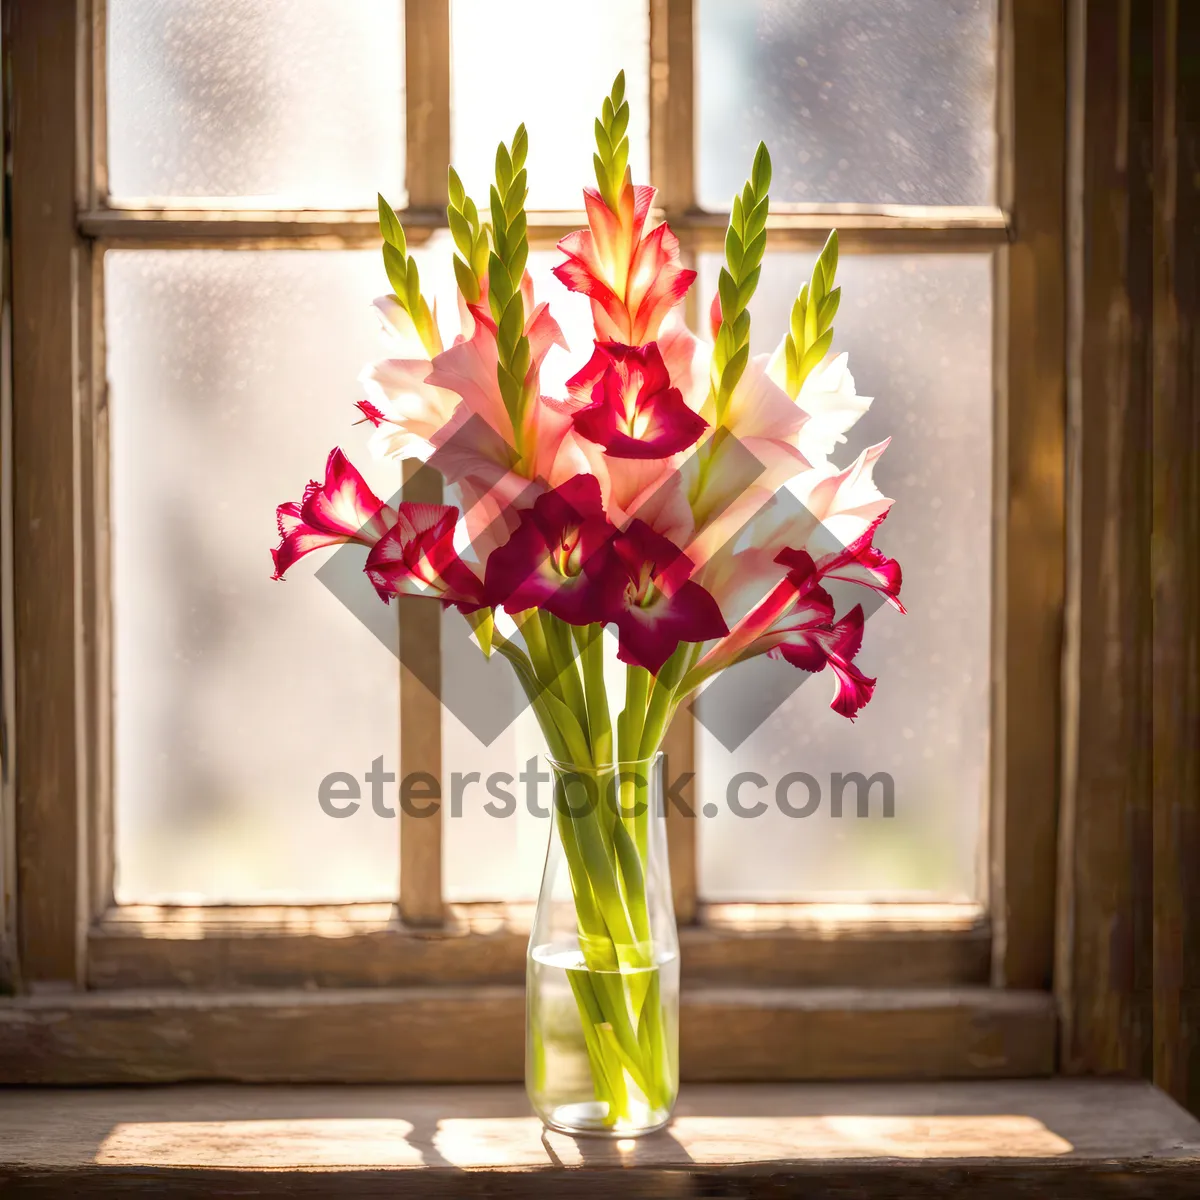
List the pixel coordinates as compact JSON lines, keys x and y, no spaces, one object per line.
{"x":893,"y":978}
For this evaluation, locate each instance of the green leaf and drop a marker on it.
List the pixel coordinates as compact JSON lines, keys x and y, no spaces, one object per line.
{"x":733,"y":370}
{"x":814,"y":354}
{"x":413,"y":287}
{"x":747,"y":286}
{"x":467,"y":283}
{"x":520,"y":147}
{"x":828,"y":309}
{"x":734,"y":252}
{"x":756,"y":249}
{"x":454,"y":187}
{"x":460,"y":229}
{"x":397,"y":270}
{"x":619,"y":124}
{"x":515,"y":200}
{"x":760,"y":175}
{"x":727,"y":289}
{"x":603,"y":144}
{"x":618,"y":89}
{"x":389,"y":225}
{"x":829,"y":257}
{"x":504,"y":167}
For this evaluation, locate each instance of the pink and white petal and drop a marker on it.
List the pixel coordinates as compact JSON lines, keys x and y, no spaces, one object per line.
{"x":845,"y":503}
{"x":468,"y":369}
{"x":402,"y":334}
{"x":344,"y":504}
{"x":832,"y":405}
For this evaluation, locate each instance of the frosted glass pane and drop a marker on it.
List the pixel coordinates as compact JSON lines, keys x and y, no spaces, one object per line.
{"x":919,"y":332}
{"x":565,"y":56}
{"x":880,"y":101}
{"x":292,"y":102}
{"x":232,"y":375}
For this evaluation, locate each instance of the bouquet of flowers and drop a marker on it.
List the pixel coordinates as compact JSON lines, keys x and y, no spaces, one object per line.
{"x":643,"y":502}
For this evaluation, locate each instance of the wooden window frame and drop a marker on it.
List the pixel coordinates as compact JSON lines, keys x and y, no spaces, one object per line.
{"x":772,"y":991}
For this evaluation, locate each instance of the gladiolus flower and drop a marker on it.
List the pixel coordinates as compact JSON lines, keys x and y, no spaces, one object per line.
{"x":342,"y":509}
{"x":468,"y":369}
{"x":658,"y":606}
{"x":814,"y":647}
{"x":558,"y":558}
{"x":866,"y":565}
{"x":632,"y":279}
{"x":795,"y":622}
{"x":416,"y":557}
{"x":631,"y":409}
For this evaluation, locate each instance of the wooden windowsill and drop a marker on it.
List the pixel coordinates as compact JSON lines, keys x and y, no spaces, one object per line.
{"x":1055,"y":1137}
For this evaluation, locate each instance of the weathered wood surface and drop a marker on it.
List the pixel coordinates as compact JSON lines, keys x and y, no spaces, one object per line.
{"x":366,"y":945}
{"x":862,"y":227}
{"x":1056,"y":1137}
{"x":48,"y":268}
{"x":1175,"y":565}
{"x":476,"y":1033}
{"x":1104,"y":968}
{"x":1029,"y":490}
{"x":420,"y":825}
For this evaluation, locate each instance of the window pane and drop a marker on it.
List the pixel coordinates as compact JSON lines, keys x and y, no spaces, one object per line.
{"x":291,"y":102}
{"x":874,"y":101}
{"x":232,"y":375}
{"x":918,"y":331}
{"x":564,"y":58}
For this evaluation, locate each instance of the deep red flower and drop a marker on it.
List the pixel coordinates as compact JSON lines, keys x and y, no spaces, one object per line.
{"x":658,"y":605}
{"x":631,"y":409}
{"x":865,"y":564}
{"x":558,"y":558}
{"x":416,"y":557}
{"x":814,"y":645}
{"x":342,"y":509}
{"x":795,"y":622}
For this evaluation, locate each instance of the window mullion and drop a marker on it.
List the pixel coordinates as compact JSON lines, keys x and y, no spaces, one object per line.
{"x":427,"y":157}
{"x":427,"y":88}
{"x":50,"y":292}
{"x":672,"y":96}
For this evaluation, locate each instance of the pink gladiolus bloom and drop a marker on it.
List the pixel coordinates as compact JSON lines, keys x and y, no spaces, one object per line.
{"x":795,"y":622}
{"x":631,"y":409}
{"x":468,"y":369}
{"x":342,"y":509}
{"x":866,"y":565}
{"x":416,"y":557}
{"x":658,"y":606}
{"x":633,"y":279}
{"x":559,"y":557}
{"x":813,"y":647}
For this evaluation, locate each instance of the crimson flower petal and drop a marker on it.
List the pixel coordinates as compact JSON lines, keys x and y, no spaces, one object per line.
{"x":342,"y":509}
{"x":557,"y":559}
{"x":865,"y":564}
{"x":416,"y":557}
{"x":659,"y":606}
{"x":634,"y":412}
{"x":813,"y":647}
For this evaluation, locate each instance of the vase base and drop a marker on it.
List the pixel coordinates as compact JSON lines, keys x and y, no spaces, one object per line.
{"x":590,"y":1119}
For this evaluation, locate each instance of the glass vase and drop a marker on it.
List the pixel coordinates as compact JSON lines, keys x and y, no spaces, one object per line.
{"x":602,"y":983}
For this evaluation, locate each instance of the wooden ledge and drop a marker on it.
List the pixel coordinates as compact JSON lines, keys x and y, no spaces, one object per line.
{"x":477,"y":1034}
{"x":1066,"y":1138}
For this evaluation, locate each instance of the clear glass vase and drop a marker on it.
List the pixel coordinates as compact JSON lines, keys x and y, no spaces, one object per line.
{"x":602,"y":986}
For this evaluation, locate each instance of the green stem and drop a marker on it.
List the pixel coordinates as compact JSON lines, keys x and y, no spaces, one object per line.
{"x":590,"y":639}
{"x":556,"y":635}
